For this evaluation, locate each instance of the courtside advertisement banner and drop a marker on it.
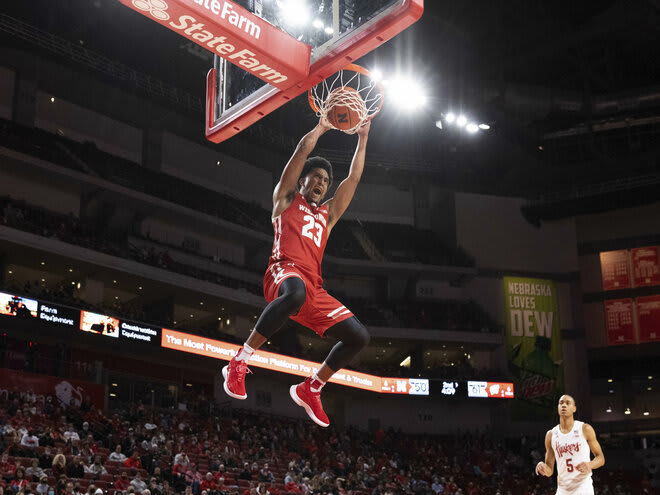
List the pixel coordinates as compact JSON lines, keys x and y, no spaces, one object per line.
{"x":533,"y":345}
{"x":195,"y":344}
{"x":225,"y":28}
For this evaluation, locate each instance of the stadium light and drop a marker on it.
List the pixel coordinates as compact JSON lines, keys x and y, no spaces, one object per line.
{"x":450,"y":118}
{"x":627,"y":411}
{"x":609,"y":409}
{"x":317,"y":23}
{"x":406,"y":94}
{"x":376,"y":75}
{"x":484,"y":127}
{"x":438,"y":124}
{"x":329,"y":30}
{"x":472,"y":128}
{"x":405,"y":363}
{"x":461,"y":120}
{"x":295,"y":12}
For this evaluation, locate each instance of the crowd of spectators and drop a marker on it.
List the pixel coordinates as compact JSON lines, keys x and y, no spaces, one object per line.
{"x":48,"y":450}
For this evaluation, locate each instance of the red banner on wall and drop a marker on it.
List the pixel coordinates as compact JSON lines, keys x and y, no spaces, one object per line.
{"x":66,"y":392}
{"x":646,"y":266}
{"x":619,"y":321}
{"x":615,"y":269}
{"x":648,"y":316}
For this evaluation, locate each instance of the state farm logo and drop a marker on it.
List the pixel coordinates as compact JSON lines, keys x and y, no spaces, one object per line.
{"x":156,"y":8}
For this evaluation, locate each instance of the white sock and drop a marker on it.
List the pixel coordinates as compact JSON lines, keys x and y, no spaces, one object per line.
{"x":317,"y":383}
{"x":245,"y":354}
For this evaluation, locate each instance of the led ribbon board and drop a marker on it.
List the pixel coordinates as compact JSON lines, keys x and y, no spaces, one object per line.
{"x":490,"y":389}
{"x":233,"y":33}
{"x":125,"y":332}
{"x":217,"y":349}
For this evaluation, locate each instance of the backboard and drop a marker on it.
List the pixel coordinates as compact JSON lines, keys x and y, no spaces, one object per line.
{"x":338,"y":32}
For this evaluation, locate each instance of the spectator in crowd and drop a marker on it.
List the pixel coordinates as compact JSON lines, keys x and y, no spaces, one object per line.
{"x":117,"y":454}
{"x":209,"y":484}
{"x":76,"y":469}
{"x":133,"y":462}
{"x":193,"y":478}
{"x":96,"y":468}
{"x":138,"y":483}
{"x":182,"y":459}
{"x":71,"y":434}
{"x":19,"y":482}
{"x":265,"y":474}
{"x":46,"y":458}
{"x":59,"y":465}
{"x":34,"y":472}
{"x":42,"y":486}
{"x":122,"y":482}
{"x":30,"y":441}
{"x":85,"y":432}
{"x":246,"y":474}
{"x":154,"y":487}
{"x":273,"y":489}
{"x":7,"y":468}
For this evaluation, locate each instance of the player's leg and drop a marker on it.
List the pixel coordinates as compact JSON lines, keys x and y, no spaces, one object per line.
{"x":353,"y":337}
{"x":291,"y":297}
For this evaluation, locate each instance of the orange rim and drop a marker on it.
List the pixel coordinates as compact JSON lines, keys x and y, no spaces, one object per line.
{"x":354,"y":68}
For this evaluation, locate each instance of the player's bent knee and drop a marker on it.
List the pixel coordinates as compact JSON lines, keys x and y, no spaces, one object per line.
{"x":359,"y":335}
{"x":363,"y":337}
{"x":293,"y":294}
{"x":296,"y":300}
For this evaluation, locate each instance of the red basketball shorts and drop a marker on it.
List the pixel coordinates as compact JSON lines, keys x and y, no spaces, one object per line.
{"x":320,"y":311}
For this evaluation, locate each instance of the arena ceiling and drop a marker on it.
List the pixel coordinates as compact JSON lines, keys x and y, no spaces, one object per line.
{"x":571,"y":89}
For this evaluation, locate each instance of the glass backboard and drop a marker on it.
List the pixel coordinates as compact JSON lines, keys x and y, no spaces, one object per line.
{"x":339,"y":31}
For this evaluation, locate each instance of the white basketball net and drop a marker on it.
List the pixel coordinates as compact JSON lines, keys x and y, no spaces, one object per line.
{"x":366,"y":100}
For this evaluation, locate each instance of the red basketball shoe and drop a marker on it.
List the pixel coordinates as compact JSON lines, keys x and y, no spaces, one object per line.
{"x":234,"y":375}
{"x":303,"y":395}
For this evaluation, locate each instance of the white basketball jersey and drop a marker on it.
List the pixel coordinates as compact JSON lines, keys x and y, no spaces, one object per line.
{"x":571,"y":449}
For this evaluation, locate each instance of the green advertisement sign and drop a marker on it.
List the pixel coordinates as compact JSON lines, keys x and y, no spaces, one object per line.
{"x":533,"y":346}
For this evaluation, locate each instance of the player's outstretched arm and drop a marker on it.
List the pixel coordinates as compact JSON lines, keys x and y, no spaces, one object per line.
{"x":548,"y":467}
{"x":285,"y":190}
{"x":337,"y":205}
{"x":599,"y":458}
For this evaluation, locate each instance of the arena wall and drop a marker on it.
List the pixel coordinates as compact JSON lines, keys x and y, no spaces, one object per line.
{"x":82,"y":124}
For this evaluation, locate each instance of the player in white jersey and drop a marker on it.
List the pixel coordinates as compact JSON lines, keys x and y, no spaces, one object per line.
{"x":570,"y":444}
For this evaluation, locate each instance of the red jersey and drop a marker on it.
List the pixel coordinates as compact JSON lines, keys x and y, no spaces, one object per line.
{"x":301,"y":233}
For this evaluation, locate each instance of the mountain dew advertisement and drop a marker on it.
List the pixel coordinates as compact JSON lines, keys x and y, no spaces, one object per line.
{"x":533,"y":345}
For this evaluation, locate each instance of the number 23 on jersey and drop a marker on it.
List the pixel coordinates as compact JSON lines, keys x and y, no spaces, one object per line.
{"x":312,"y":230}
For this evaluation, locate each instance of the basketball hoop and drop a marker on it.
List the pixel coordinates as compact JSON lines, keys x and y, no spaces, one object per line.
{"x":352,"y":88}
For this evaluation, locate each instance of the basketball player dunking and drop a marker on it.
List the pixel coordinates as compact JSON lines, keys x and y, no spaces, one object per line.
{"x":293,"y":284}
{"x":570,"y":444}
